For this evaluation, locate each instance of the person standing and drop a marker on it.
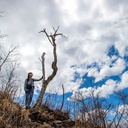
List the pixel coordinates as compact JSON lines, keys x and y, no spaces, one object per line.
{"x":29,"y":89}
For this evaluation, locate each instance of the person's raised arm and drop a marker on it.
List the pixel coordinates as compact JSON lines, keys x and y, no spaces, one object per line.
{"x":38,"y":79}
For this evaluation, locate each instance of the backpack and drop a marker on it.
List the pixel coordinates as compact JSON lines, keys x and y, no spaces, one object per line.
{"x":28,"y":86}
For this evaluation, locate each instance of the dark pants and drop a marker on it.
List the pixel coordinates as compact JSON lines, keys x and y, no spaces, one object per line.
{"x":29,"y":95}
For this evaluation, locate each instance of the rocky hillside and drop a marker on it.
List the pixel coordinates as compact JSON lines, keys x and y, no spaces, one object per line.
{"x":12,"y":115}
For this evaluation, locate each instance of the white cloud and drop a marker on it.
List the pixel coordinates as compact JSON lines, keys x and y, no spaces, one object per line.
{"x":124,"y":81}
{"x":116,"y":69}
{"x":107,"y":69}
{"x":108,"y":88}
{"x":105,"y":90}
{"x":91,"y":30}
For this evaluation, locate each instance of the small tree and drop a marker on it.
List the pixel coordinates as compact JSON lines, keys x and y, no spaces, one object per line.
{"x":52,"y":39}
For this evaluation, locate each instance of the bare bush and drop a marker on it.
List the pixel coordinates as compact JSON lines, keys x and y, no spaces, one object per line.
{"x":94,"y":111}
{"x":9,"y":81}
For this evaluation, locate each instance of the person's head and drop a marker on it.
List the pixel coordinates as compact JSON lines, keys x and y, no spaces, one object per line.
{"x":30,"y":74}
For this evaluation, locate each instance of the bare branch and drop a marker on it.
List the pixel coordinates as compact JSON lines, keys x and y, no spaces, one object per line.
{"x":46,"y":35}
{"x":6,"y":59}
{"x":62,"y":98}
{"x":43,"y":66}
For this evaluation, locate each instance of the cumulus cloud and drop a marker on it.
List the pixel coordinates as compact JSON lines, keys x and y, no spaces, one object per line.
{"x":103,"y":91}
{"x":124,"y":81}
{"x":115,"y":69}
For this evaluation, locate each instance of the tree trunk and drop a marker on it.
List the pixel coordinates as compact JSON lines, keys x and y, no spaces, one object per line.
{"x":40,"y":98}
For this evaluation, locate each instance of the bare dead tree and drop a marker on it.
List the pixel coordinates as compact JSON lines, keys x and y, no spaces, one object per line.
{"x":52,"y":39}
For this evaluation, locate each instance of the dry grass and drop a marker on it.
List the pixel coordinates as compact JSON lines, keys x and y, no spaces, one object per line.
{"x":12,"y":115}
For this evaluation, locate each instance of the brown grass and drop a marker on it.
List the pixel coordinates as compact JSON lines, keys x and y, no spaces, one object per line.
{"x":12,"y":115}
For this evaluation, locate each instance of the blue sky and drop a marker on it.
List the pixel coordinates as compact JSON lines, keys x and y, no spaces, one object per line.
{"x":94,"y":55}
